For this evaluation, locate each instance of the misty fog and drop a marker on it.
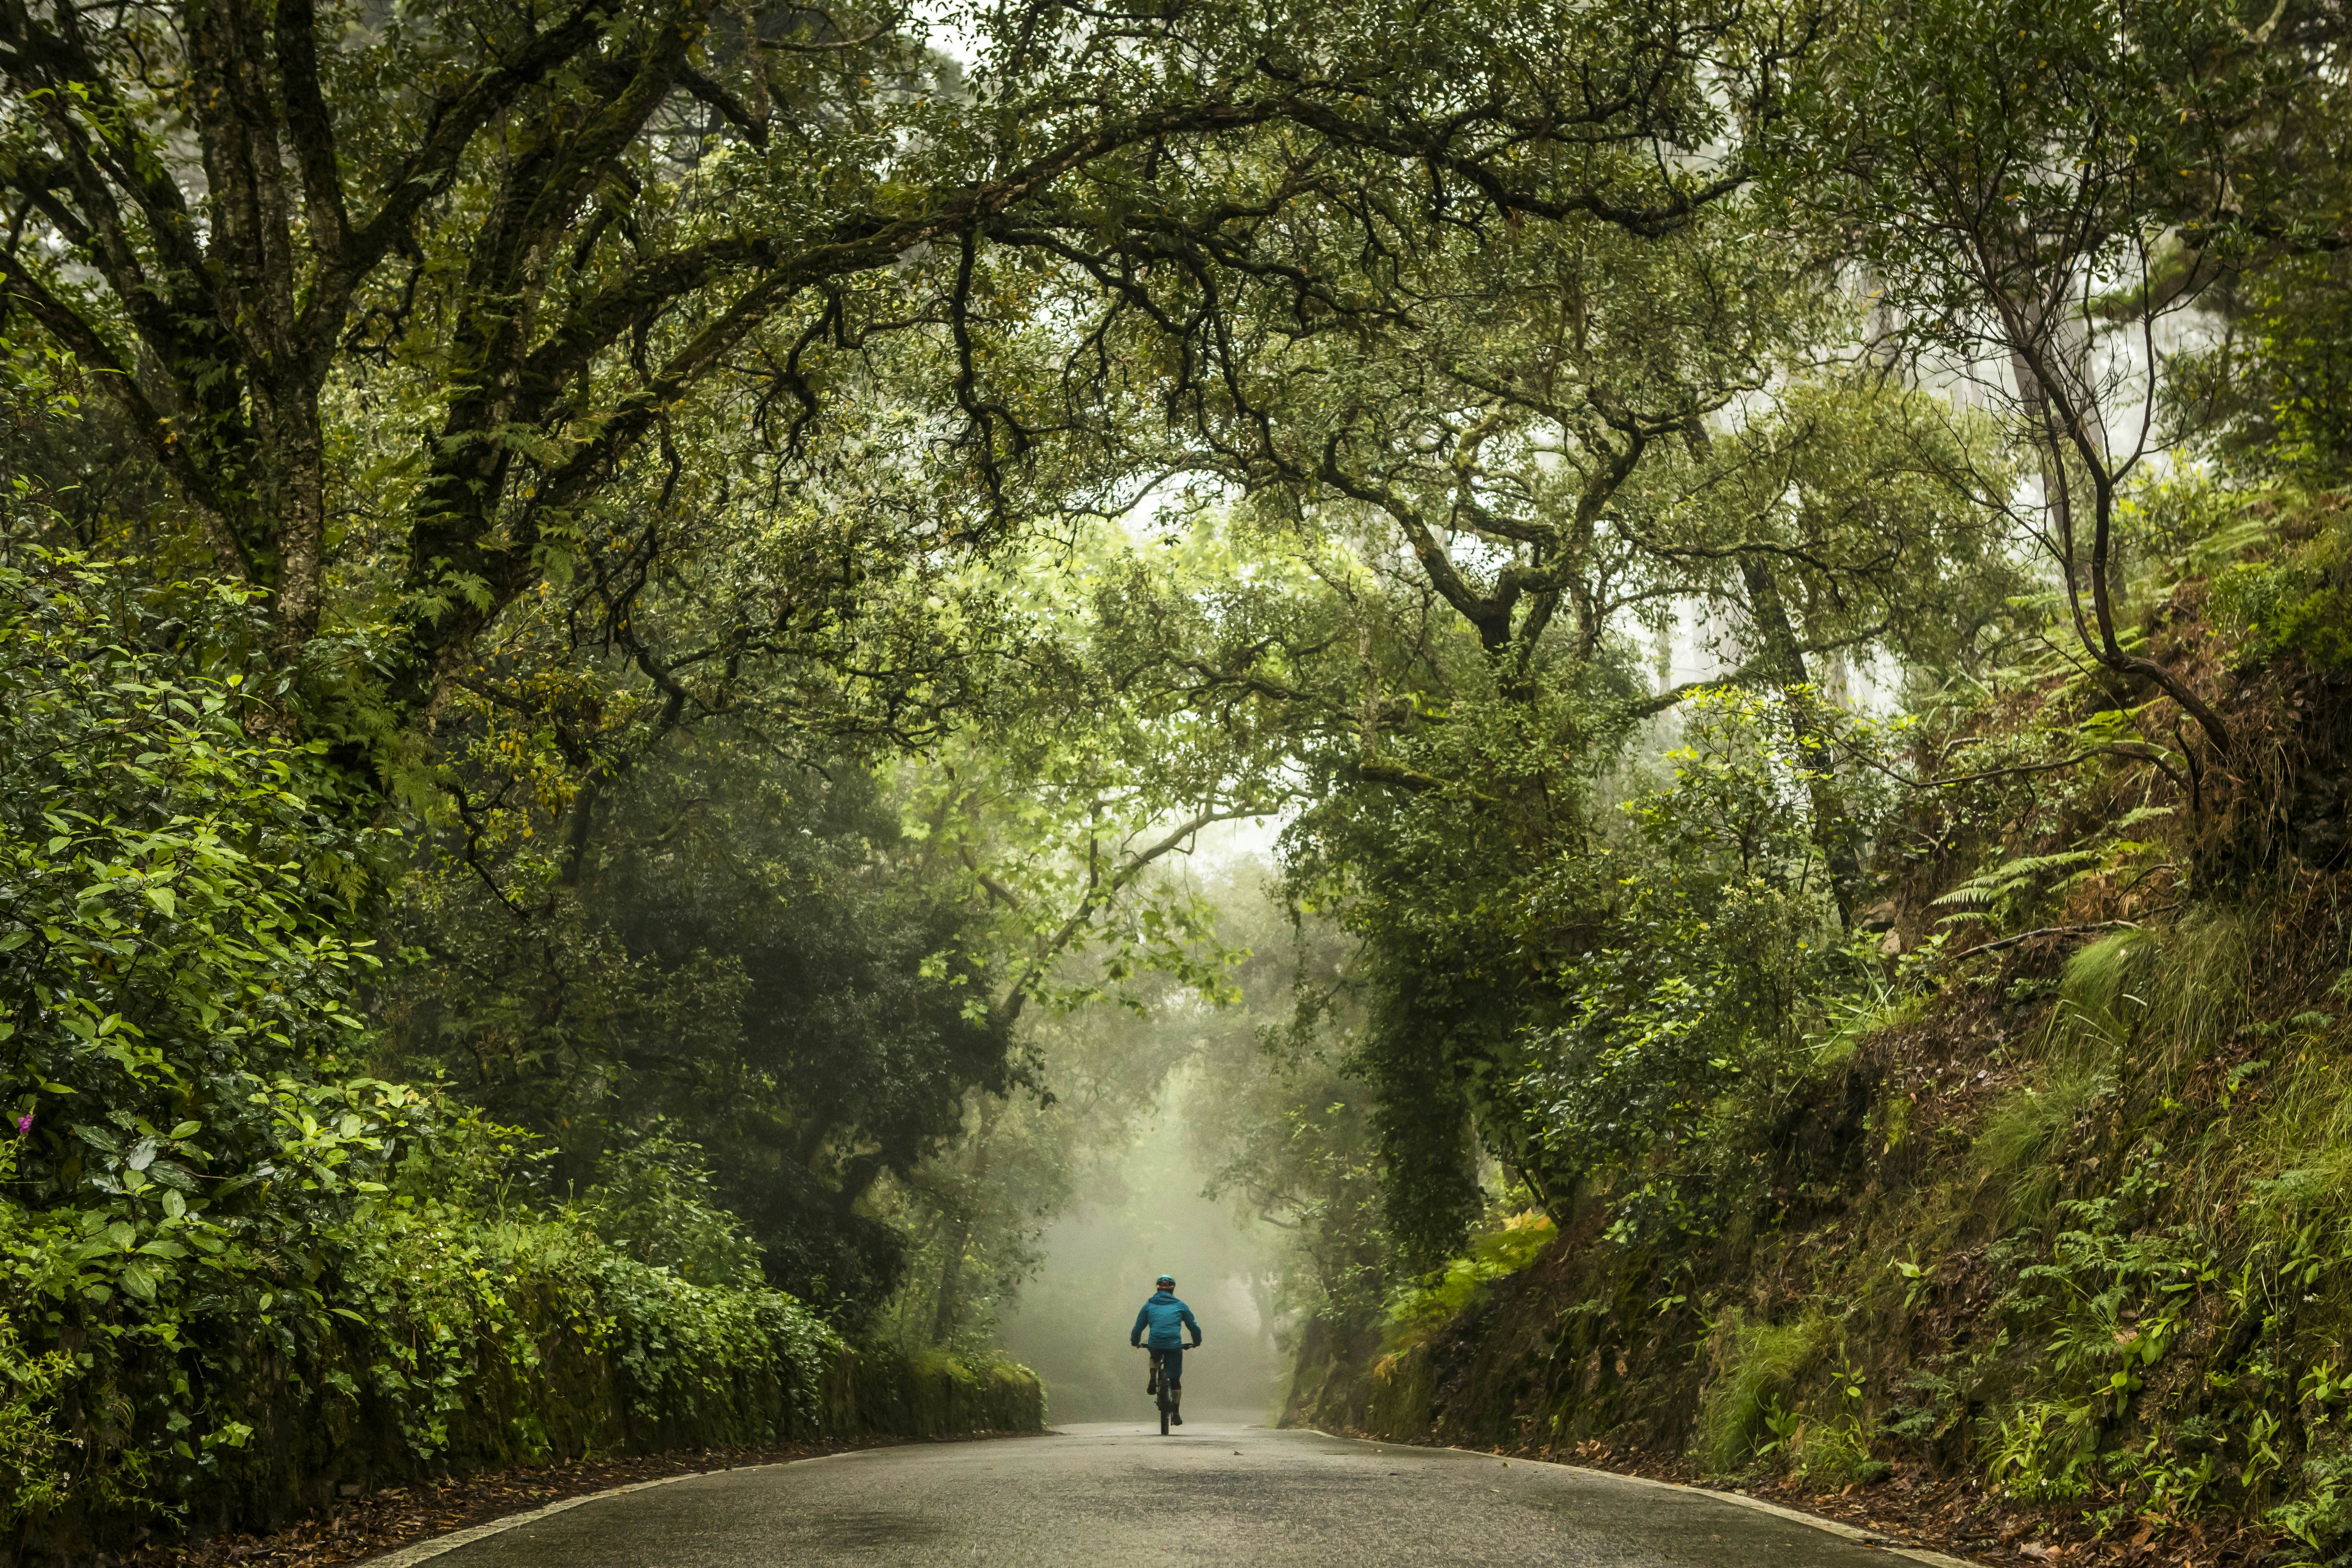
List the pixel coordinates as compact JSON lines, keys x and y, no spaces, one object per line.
{"x":1146,"y":1216}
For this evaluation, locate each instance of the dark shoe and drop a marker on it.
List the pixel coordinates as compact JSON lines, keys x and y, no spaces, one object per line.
{"x":1175,"y":1418}
{"x":1152,"y":1384}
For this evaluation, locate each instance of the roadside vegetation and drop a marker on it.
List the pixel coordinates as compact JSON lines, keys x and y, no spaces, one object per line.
{"x":621,"y":630}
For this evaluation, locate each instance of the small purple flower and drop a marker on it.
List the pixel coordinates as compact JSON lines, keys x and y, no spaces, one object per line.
{"x":24,"y":1124}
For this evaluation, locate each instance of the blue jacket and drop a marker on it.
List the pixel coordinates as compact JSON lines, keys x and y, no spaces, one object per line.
{"x":1161,"y":1315}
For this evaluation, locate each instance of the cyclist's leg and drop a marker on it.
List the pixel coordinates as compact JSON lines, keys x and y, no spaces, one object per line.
{"x":1151,"y":1382}
{"x":1175,"y":1375}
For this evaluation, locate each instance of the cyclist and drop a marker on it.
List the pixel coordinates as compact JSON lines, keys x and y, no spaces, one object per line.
{"x":1166,"y":1318}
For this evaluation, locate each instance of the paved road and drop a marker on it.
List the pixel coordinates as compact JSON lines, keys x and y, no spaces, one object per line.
{"x":1118,"y":1497}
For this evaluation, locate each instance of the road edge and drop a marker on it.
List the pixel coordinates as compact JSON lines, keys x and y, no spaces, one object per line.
{"x":417,"y":1552}
{"x":425,"y":1550}
{"x":1836,"y":1527}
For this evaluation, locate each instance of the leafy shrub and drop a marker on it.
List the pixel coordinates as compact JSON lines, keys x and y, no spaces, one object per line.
{"x":2320,"y":1515}
{"x":1720,"y":929}
{"x":2299,"y":600}
{"x":654,"y":1199}
{"x":230,"y":1266}
{"x":31,"y":1480}
{"x":2044,"y":1451}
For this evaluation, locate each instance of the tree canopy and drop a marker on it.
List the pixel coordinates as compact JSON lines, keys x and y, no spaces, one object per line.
{"x":624,"y":625}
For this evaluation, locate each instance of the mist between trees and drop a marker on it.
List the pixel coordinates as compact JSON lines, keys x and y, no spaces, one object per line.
{"x":1146,"y":1213}
{"x":1628,"y":719}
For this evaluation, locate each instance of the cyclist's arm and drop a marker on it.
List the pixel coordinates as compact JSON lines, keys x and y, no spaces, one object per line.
{"x":1135,"y":1335}
{"x":1192,"y":1323}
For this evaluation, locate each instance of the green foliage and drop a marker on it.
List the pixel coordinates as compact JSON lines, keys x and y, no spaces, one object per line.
{"x":452,"y":1301}
{"x":1836,"y":1453}
{"x":655,"y":1200}
{"x":1753,"y":1374}
{"x":1743,"y":1420}
{"x":2016,"y":1149}
{"x":748,"y":949}
{"x":32,"y":1479}
{"x":2045,"y":1452}
{"x":212,"y":1225}
{"x":1720,"y":932}
{"x":2320,"y":1516}
{"x":2026,"y":875}
{"x":2298,"y":601}
{"x":175,"y":892}
{"x":176,"y":970}
{"x":1552,"y":525}
{"x":2273,"y":400}
{"x":2115,"y":1298}
{"x":2300,"y":360}
{"x":1430,"y":1302}
{"x":1291,"y":1141}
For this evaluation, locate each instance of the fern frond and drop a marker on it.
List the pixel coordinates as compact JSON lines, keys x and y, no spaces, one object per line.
{"x":1986,"y":886}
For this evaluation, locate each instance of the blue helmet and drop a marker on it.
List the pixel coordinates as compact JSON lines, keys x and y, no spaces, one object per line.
{"x":1168,"y":1280}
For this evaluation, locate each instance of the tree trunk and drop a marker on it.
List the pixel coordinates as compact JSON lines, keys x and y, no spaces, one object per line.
{"x":293,"y":483}
{"x":946,"y":1312}
{"x":1807,"y":732}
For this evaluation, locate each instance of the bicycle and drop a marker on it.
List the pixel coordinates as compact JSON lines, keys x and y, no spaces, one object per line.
{"x":1160,"y":1387}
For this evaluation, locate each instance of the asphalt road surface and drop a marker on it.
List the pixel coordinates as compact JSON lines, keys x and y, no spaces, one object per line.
{"x":1122,"y":1496}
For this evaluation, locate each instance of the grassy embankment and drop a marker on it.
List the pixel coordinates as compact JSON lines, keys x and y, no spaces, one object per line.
{"x":2064,"y":1221}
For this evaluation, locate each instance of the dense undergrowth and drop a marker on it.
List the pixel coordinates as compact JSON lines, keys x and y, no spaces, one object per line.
{"x":237,"y":1274}
{"x":2049,"y":1189}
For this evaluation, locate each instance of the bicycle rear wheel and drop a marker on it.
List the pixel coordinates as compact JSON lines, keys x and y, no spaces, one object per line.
{"x":1163,"y":1420}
